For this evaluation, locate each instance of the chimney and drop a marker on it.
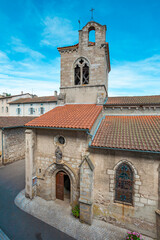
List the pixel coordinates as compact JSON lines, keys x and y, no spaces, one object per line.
{"x":55,"y":93}
{"x":21,"y":92}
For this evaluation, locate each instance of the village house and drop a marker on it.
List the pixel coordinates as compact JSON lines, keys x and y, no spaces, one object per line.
{"x":32,"y":106}
{"x":6,"y":98}
{"x":100,"y":152}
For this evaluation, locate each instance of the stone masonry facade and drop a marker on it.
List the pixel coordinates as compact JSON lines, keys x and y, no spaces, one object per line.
{"x":97,"y":56}
{"x":13,"y":144}
{"x":145,"y":198}
{"x":92,"y":171}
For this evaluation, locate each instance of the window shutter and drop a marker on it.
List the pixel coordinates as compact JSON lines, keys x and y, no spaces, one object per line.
{"x":43,"y":110}
{"x":17,"y":111}
{"x":29,"y":111}
{"x":39,"y":111}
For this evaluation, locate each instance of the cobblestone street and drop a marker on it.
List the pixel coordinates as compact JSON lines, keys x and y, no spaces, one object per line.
{"x":58,"y":214}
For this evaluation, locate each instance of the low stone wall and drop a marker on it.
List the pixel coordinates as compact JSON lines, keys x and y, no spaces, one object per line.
{"x":13,"y":144}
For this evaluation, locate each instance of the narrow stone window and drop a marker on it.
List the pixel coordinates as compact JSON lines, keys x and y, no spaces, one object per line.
{"x":124,"y":184}
{"x":85,"y":74}
{"x":81,"y":71}
{"x":77,"y":75}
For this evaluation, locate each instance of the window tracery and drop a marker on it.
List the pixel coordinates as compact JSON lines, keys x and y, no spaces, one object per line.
{"x":124,"y":184}
{"x":81,"y":72}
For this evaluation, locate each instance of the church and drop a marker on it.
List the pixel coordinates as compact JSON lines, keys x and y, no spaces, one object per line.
{"x":100,"y":152}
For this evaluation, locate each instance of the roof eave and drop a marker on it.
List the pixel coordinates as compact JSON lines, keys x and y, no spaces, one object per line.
{"x":124,"y":149}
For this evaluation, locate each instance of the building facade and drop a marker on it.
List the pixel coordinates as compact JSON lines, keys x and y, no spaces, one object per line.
{"x":4,"y":102}
{"x":99,"y":152}
{"x":32,"y":106}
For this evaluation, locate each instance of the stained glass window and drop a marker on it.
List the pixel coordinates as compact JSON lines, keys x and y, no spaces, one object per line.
{"x":124,"y":184}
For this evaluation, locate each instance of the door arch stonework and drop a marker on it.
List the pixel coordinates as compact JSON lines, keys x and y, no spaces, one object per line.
{"x":50,"y":177}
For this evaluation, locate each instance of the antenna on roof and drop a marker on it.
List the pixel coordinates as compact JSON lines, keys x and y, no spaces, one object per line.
{"x":92,"y":9}
{"x":79,"y":24}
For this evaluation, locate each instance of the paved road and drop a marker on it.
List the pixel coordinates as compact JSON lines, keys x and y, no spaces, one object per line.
{"x":16,"y":224}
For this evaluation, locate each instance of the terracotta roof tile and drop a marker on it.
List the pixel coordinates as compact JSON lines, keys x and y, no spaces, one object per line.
{"x":129,"y":132}
{"x":137,"y":100}
{"x":14,"y":121}
{"x":35,"y":100}
{"x":80,"y":116}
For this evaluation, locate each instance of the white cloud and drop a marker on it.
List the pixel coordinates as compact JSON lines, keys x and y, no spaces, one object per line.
{"x":135,"y":78}
{"x":3,"y":57}
{"x":58,"y":32}
{"x":18,"y":46}
{"x":29,"y":75}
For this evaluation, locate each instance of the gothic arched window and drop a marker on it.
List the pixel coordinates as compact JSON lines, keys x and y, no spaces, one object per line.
{"x":124,"y":184}
{"x":81,"y":72}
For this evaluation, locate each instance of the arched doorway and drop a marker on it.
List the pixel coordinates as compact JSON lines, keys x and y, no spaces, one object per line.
{"x":63,"y":186}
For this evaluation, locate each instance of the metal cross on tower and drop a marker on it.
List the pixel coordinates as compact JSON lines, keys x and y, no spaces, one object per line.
{"x":92,"y":9}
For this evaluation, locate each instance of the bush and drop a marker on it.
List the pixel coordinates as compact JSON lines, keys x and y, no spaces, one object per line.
{"x":134,"y":236}
{"x":75,"y":211}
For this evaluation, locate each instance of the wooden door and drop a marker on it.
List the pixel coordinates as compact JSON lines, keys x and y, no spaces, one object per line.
{"x":60,"y":185}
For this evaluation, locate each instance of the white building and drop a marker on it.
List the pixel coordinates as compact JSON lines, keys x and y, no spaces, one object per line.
{"x":4,"y":102}
{"x":32,"y":106}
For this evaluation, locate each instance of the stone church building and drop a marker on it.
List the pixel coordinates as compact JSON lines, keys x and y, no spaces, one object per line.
{"x":100,"y":152}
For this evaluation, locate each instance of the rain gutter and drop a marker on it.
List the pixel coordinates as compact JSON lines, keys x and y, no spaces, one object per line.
{"x":105,"y":100}
{"x":74,"y":129}
{"x":123,"y":149}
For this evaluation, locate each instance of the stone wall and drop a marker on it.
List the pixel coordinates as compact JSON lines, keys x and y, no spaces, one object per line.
{"x":13,"y":144}
{"x":150,"y":110}
{"x":45,"y":160}
{"x":98,"y":65}
{"x":139,"y":217}
{"x":86,"y":190}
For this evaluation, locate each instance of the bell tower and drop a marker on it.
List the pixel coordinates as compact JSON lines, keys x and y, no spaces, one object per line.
{"x":85,"y":67}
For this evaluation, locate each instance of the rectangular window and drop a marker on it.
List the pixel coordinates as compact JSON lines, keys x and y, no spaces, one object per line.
{"x":2,"y":109}
{"x":6,"y":109}
{"x":41,"y":110}
{"x":18,"y":111}
{"x":31,"y":110}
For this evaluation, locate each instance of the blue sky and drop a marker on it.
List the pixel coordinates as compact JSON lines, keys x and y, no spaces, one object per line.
{"x":31,"y":31}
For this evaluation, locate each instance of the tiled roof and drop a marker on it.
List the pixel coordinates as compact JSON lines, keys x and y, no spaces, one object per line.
{"x":79,"y":116}
{"x":14,"y":121}
{"x":138,"y":100}
{"x":129,"y":132}
{"x":35,"y":100}
{"x":11,"y":96}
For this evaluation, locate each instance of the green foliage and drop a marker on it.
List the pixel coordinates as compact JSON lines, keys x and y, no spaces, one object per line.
{"x":134,"y":236}
{"x":75,"y":211}
{"x":8,"y":94}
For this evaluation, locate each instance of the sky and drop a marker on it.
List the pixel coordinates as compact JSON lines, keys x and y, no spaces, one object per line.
{"x":31,"y":31}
